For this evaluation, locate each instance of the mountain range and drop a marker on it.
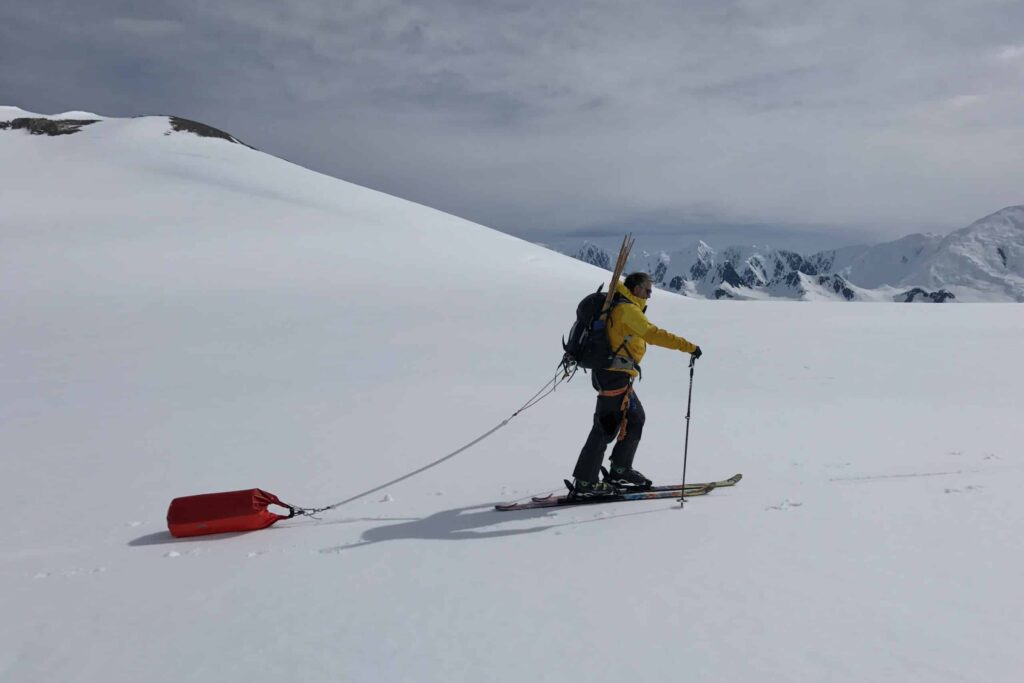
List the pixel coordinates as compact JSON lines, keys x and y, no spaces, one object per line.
{"x":981,"y":262}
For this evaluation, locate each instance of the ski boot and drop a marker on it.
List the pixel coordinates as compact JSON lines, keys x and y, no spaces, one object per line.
{"x":591,"y":489}
{"x":627,"y":479}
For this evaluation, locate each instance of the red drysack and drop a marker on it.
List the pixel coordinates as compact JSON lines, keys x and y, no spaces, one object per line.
{"x":218,"y":513}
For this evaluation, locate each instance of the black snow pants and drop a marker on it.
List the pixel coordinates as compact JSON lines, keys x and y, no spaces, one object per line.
{"x":607,"y":420}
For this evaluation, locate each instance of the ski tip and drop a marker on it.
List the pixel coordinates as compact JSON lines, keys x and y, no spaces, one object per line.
{"x":703,"y":491}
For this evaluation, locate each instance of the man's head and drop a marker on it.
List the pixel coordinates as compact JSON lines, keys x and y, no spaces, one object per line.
{"x":639,"y":285}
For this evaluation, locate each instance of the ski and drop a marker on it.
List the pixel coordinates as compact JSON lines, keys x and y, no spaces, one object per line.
{"x":731,"y":481}
{"x":565,"y":501}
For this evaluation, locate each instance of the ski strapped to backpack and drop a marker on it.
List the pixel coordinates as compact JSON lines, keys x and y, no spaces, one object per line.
{"x":588,"y":346}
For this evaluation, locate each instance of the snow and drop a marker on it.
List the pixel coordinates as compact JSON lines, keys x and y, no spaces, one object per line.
{"x":187,"y":315}
{"x":8,"y":113}
{"x":887,"y":263}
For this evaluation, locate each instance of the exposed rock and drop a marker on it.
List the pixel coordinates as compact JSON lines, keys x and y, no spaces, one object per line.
{"x":658,"y":276}
{"x":180,"y":125}
{"x":594,"y":255}
{"x":699,"y":269}
{"x":40,"y":126}
{"x":838,"y":285}
{"x":919,"y":295}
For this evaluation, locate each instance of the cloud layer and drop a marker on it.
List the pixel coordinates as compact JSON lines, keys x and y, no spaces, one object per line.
{"x":538,"y":117}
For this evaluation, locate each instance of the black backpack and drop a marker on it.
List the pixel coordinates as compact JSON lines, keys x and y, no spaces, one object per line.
{"x":588,"y":346}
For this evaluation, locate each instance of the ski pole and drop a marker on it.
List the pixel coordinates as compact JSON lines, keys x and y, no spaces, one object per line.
{"x":686,"y":446}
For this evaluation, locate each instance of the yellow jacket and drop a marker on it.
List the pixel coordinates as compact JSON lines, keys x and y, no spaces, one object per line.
{"x":629,"y":324}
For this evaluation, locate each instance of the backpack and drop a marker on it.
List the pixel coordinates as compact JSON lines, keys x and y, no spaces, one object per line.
{"x":588,"y":346}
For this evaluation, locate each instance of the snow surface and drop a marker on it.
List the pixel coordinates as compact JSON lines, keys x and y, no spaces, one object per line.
{"x":186,"y":315}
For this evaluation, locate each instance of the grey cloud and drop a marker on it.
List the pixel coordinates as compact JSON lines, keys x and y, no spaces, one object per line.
{"x":147,"y":28}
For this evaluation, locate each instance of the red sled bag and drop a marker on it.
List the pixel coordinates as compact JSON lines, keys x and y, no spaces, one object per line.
{"x":218,"y":513}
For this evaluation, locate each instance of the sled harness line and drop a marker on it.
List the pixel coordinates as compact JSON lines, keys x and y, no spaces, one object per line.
{"x":543,"y":393}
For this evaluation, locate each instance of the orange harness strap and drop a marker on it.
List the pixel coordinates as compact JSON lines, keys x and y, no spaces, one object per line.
{"x":625,"y":393}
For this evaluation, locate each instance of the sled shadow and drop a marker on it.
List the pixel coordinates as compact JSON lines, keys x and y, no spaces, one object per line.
{"x":466,"y":523}
{"x":165,"y":537}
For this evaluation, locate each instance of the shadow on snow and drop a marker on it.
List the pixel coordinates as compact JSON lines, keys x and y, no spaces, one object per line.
{"x":467,"y":523}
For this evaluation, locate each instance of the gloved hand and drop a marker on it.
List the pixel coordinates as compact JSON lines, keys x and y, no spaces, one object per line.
{"x":698,"y":353}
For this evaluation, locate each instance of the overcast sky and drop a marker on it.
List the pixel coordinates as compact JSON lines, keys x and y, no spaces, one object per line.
{"x":777,"y":121}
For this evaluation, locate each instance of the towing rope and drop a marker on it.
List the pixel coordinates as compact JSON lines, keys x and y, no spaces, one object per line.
{"x":545,"y":391}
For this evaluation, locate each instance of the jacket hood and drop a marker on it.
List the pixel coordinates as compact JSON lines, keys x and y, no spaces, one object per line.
{"x":620,"y":288}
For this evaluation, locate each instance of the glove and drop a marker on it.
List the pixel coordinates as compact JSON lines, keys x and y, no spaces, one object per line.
{"x":698,"y":353}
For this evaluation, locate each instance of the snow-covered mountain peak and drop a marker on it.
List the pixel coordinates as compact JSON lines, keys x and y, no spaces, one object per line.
{"x":704,"y":250}
{"x":986,"y":256}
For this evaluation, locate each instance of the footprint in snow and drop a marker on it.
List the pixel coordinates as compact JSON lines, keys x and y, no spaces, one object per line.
{"x":965,"y":489}
{"x":784,"y":505}
{"x":78,"y":570}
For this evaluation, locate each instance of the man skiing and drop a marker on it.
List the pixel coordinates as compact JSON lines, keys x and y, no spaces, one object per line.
{"x":619,"y":413}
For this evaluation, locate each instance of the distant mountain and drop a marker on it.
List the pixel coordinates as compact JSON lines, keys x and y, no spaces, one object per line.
{"x":982,"y":262}
{"x":888,"y":263}
{"x":986,"y":256}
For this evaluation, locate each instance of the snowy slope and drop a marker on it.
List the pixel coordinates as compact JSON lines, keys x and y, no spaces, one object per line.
{"x":185,"y":315}
{"x":985,"y":258}
{"x":888,"y":263}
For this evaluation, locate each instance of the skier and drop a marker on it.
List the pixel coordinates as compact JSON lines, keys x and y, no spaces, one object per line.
{"x":619,"y":413}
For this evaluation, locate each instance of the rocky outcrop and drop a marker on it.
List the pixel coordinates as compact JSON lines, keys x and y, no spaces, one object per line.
{"x":40,"y":126}
{"x":180,"y":125}
{"x":918,"y":295}
{"x":594,"y":255}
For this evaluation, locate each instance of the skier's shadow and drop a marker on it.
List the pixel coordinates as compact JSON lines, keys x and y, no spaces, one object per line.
{"x":462,"y":524}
